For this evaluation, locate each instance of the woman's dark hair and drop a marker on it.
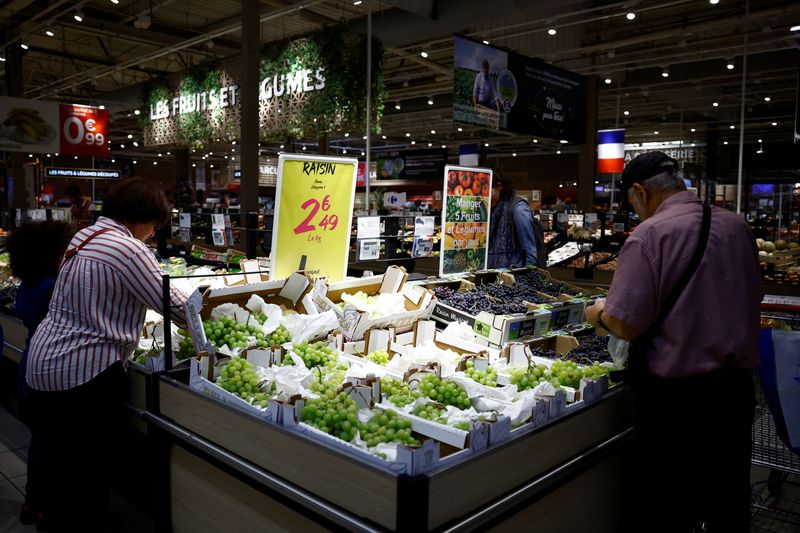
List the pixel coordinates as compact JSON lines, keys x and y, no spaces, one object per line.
{"x":137,"y":201}
{"x":35,"y":249}
{"x":506,"y":186}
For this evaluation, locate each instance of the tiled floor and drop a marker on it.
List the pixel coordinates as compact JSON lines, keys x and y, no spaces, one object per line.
{"x":14,"y":439}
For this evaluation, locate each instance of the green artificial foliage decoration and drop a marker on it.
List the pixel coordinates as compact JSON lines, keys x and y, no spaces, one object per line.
{"x":340,"y":105}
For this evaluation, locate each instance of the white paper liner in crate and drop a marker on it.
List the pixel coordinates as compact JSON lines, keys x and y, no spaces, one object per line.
{"x":426,"y":353}
{"x":380,"y":305}
{"x":308,"y":327}
{"x":274,"y":313}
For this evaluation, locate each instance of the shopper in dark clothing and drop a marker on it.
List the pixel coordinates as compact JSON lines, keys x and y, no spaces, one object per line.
{"x":511,"y":233}
{"x":686,"y":293}
{"x":35,"y":251}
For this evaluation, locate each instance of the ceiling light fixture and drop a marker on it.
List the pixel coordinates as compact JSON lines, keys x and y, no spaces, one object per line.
{"x":137,"y":112}
{"x":408,"y":134}
{"x":135,"y":144}
{"x":730,"y":65}
{"x":631,"y":15}
{"x":665,"y":73}
{"x":78,"y":16}
{"x":444,"y":146}
{"x":558,"y":152}
{"x":655,"y":132}
{"x":715,"y":104}
{"x":424,"y":54}
{"x":795,"y":28}
{"x":774,"y":123}
{"x":430,"y":144}
{"x":725,"y":143}
{"x":485,"y":41}
{"x":536,"y":141}
{"x":397,"y":106}
{"x":732,"y":127}
{"x":563,"y":141}
{"x":713,"y":2}
{"x":460,"y":129}
{"x":552,"y":31}
{"x":626,"y":112}
{"x":608,"y":81}
{"x":767,"y":98}
{"x":433,"y":132}
{"x":24,"y":45}
{"x":513,"y":154}
{"x":430,"y":101}
{"x":356,"y":2}
{"x":49,"y":32}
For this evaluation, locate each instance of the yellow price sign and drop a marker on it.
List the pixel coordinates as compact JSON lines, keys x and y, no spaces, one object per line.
{"x":313,"y":214}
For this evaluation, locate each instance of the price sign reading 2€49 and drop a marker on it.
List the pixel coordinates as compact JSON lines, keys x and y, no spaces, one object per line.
{"x":313,"y":214}
{"x":84,"y":130}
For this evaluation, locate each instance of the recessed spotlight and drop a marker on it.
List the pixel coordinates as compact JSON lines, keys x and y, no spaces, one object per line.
{"x":413,"y":142}
{"x":137,"y":112}
{"x":383,"y":137}
{"x":281,"y":147}
{"x":155,"y":162}
{"x":24,"y":46}
{"x":135,"y":162}
{"x":608,"y":81}
{"x":115,"y":2}
{"x":761,"y":140}
{"x":122,"y":146}
{"x":767,"y":99}
{"x":460,"y":129}
{"x":101,"y":106}
{"x":430,"y":101}
{"x":536,"y":140}
{"x":130,"y":136}
{"x":356,"y":2}
{"x":397,"y":106}
{"x":552,"y":31}
{"x":730,"y":65}
{"x":693,"y":144}
{"x":513,"y":154}
{"x":344,"y":150}
{"x":347,"y":135}
{"x":665,"y":73}
{"x":408,"y":134}
{"x":363,"y":153}
{"x":424,"y":53}
{"x":693,"y":130}
{"x":713,"y":2}
{"x":486,"y":145}
{"x":725,"y":142}
{"x":558,"y":152}
{"x":136,"y":144}
{"x":631,"y":15}
{"x":715,"y":104}
{"x":485,"y":41}
{"x":2,"y":59}
{"x":563,"y":141}
{"x":655,"y":132}
{"x":364,"y":138}
{"x":732,"y":127}
{"x":444,"y":146}
{"x":795,"y":28}
{"x":626,"y":112}
{"x":304,"y":148}
{"x":78,"y":16}
{"x":49,"y":32}
{"x":433,"y":132}
{"x":774,"y":123}
{"x":430,"y":144}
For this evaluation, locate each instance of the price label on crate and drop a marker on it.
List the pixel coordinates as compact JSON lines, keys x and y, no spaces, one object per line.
{"x":369,"y":250}
{"x":313,"y":214}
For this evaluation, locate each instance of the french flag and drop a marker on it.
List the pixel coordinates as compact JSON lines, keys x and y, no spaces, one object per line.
{"x":610,"y":151}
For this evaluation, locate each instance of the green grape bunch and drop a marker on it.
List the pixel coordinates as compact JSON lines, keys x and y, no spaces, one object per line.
{"x":431,"y":411}
{"x":328,"y":378}
{"x":444,"y":391}
{"x":278,"y":337}
{"x":529,"y":377}
{"x":398,"y":392}
{"x":567,"y":372}
{"x":226,"y":331}
{"x":334,"y":414}
{"x":486,"y":377}
{"x":239,"y":377}
{"x":386,"y":428}
{"x":380,"y":357}
{"x":313,"y":354}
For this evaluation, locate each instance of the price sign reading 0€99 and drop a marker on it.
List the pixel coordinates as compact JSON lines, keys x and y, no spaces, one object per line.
{"x":313,"y":213}
{"x":84,"y":130}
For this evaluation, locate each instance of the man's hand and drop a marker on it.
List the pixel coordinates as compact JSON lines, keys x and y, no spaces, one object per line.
{"x":595,"y":313}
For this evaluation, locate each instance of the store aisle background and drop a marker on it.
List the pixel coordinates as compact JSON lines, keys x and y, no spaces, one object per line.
{"x":781,"y":516}
{"x":14,"y":439}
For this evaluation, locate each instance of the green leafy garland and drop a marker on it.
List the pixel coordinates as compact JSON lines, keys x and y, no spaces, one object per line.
{"x":340,"y":105}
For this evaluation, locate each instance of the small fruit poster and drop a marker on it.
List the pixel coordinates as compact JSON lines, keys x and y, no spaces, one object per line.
{"x":465,"y":219}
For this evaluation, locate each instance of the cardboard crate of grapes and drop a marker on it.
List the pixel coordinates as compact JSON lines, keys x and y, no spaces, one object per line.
{"x":405,"y":303}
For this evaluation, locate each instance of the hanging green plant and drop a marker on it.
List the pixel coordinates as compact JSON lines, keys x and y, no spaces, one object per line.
{"x":328,"y":90}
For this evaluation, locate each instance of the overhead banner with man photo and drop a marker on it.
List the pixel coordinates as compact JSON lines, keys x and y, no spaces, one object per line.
{"x":505,"y":91}
{"x":465,"y":219}
{"x":313,"y":213}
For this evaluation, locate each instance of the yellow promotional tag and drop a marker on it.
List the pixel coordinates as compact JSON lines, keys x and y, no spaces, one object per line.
{"x":313,"y":214}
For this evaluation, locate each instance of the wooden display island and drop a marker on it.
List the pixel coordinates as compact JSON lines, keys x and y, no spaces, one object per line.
{"x":229,"y":471}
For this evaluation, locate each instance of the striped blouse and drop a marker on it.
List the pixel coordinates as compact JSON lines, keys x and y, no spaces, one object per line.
{"x":98,"y":307}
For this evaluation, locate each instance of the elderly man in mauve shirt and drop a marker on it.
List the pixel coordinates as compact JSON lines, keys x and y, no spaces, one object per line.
{"x":692,"y":314}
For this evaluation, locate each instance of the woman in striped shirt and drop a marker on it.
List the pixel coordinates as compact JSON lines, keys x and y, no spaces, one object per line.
{"x":76,"y":358}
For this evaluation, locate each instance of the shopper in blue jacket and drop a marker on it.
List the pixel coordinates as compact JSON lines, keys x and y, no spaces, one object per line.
{"x":512,"y":240}
{"x":35,"y":251}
